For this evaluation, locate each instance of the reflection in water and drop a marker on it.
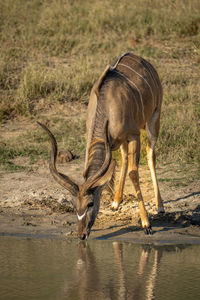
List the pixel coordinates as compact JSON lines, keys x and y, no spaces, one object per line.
{"x":100,"y":270}
{"x":126,"y":282}
{"x":119,"y":259}
{"x":88,"y":277}
{"x":141,"y":270}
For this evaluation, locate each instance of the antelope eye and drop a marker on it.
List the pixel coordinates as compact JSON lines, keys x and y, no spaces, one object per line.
{"x":90,"y":204}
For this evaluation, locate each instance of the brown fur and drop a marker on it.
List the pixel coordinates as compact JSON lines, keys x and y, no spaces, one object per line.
{"x":126,"y":98}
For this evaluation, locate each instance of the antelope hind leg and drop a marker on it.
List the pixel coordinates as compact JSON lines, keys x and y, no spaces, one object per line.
{"x":152,"y":134}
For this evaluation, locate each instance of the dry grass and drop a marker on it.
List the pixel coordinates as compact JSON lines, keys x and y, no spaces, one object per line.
{"x":53,"y":51}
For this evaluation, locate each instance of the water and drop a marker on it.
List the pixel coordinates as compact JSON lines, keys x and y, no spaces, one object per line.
{"x":100,"y":270}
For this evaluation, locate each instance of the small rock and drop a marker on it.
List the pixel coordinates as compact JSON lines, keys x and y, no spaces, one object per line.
{"x":64,"y":156}
{"x":29,"y":224}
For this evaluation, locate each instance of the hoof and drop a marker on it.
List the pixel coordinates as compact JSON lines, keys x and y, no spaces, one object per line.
{"x":148,"y":230}
{"x":161,"y":210}
{"x":115,"y":205}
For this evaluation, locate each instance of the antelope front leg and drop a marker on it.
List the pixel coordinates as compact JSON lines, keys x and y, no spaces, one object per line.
{"x":133,"y":161}
{"x":124,"y":161}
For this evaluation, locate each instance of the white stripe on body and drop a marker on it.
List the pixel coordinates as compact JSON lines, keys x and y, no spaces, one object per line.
{"x":117,"y":62}
{"x":142,"y":78}
{"x":148,"y":71}
{"x":137,"y":90}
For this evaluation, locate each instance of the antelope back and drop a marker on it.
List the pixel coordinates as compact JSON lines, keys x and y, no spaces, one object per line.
{"x":143,"y":79}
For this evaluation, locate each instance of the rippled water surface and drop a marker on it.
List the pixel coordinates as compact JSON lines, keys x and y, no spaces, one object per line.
{"x":57,"y":269}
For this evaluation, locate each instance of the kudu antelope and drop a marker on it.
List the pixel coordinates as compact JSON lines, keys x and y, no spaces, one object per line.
{"x":126,"y":98}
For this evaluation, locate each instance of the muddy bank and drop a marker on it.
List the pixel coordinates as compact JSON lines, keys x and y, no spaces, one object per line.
{"x":32,"y":204}
{"x":35,"y":222}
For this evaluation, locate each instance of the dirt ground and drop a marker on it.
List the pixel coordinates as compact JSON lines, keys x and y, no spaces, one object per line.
{"x":32,"y":204}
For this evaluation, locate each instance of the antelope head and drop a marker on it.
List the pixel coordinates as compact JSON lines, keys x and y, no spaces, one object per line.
{"x":87,"y":195}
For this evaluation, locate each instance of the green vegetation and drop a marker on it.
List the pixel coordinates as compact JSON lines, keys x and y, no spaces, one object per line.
{"x":53,"y":51}
{"x":34,"y":143}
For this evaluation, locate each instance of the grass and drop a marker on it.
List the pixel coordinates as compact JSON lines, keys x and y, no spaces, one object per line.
{"x":53,"y":51}
{"x":34,"y":144}
{"x":176,"y":175}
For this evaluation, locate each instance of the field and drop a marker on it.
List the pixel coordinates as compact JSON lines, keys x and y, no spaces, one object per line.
{"x":51,"y":53}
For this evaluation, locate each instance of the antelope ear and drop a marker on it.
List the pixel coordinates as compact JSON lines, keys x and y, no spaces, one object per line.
{"x":106,"y":177}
